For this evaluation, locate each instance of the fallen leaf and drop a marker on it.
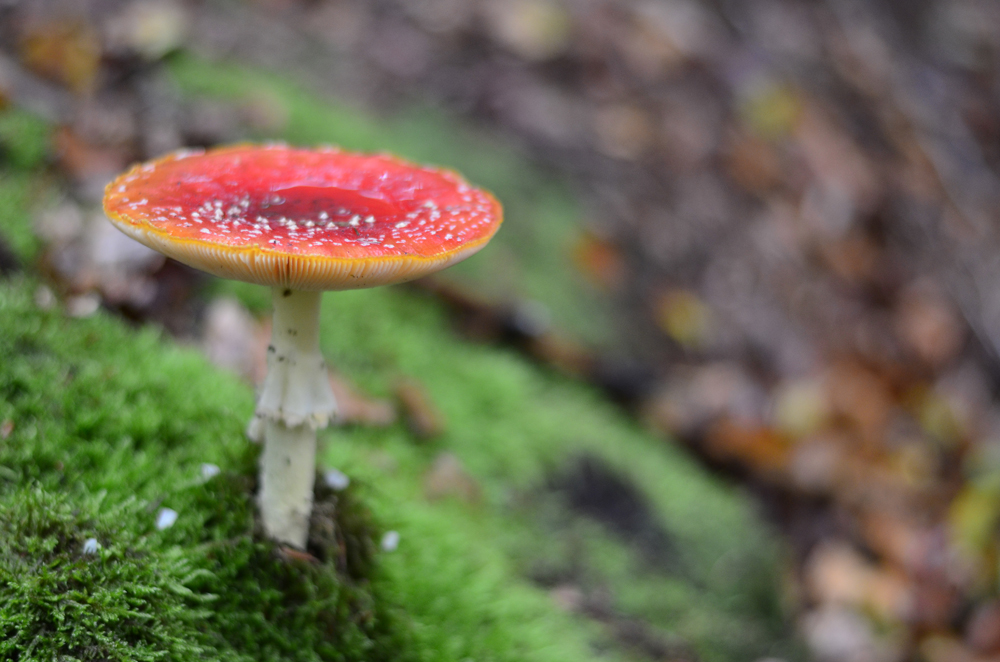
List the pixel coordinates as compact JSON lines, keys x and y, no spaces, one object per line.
{"x":816,"y":463}
{"x":860,"y":396}
{"x":289,"y":554}
{"x":929,"y":324}
{"x":837,"y":574}
{"x":683,"y":316}
{"x":973,"y":517}
{"x":86,"y":162}
{"x":623,"y":131}
{"x":68,"y":52}
{"x":757,"y":447}
{"x":753,"y":163}
{"x":421,"y":415}
{"x":944,"y":648}
{"x":801,"y":407}
{"x":447,"y":477}
{"x":770,"y":109}
{"x":982,"y":632}
{"x":600,"y":260}
{"x":531,"y":29}
{"x":354,"y":407}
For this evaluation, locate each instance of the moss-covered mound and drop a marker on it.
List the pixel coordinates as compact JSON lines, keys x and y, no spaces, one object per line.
{"x":572,"y":534}
{"x":102,"y":429}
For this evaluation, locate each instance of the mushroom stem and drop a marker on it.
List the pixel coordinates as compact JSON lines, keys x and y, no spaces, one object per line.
{"x":287,"y":474}
{"x":296,"y":389}
{"x":295,"y":400}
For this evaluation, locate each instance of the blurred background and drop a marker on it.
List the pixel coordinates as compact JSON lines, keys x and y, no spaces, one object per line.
{"x":767,"y":228}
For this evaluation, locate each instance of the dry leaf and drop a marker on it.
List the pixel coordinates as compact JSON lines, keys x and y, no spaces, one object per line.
{"x":421,"y":415}
{"x":447,"y":477}
{"x":68,"y":52}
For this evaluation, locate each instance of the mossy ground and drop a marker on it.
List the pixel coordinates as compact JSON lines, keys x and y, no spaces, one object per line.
{"x":103,"y":425}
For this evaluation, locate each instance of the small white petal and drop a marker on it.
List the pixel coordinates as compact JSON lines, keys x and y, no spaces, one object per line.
{"x":90,"y":546}
{"x":209,"y":470}
{"x":336,"y":480}
{"x":390,"y":541}
{"x":165,"y":518}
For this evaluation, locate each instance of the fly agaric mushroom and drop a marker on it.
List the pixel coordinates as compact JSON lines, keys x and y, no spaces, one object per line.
{"x":300,"y":221}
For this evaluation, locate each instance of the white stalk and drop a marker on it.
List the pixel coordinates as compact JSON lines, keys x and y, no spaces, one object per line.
{"x":295,"y":400}
{"x":287,"y":473}
{"x":296,"y":389}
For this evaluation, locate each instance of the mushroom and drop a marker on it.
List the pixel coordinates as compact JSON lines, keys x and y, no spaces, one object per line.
{"x":300,"y":221}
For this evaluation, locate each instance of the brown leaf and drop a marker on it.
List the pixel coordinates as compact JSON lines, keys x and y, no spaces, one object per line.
{"x":853,"y":257}
{"x":68,"y":52}
{"x":561,"y":352}
{"x":836,"y":573}
{"x":835,"y":159}
{"x":447,"y":477}
{"x":623,"y":131}
{"x":929,"y":324}
{"x":860,"y":396}
{"x":289,"y":554}
{"x":816,"y":463}
{"x":87,"y":162}
{"x":982,"y":632}
{"x":600,"y":261}
{"x":902,"y":542}
{"x":421,"y":415}
{"x":758,"y":447}
{"x":358,"y":408}
{"x":753,"y":163}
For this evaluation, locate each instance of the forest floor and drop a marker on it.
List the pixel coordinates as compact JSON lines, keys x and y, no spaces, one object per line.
{"x":766,"y":228}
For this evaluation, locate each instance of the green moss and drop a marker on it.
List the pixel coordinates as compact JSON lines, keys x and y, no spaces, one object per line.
{"x":24,"y":145}
{"x":268,"y":605}
{"x":98,"y":414}
{"x":95,"y":410}
{"x":24,"y":139}
{"x":514,"y":427}
{"x":120,"y":602}
{"x":99,"y":410}
{"x":16,"y":192}
{"x":102,"y":425}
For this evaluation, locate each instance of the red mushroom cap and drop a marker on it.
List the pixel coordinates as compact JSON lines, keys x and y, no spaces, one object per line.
{"x":307,"y":219}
